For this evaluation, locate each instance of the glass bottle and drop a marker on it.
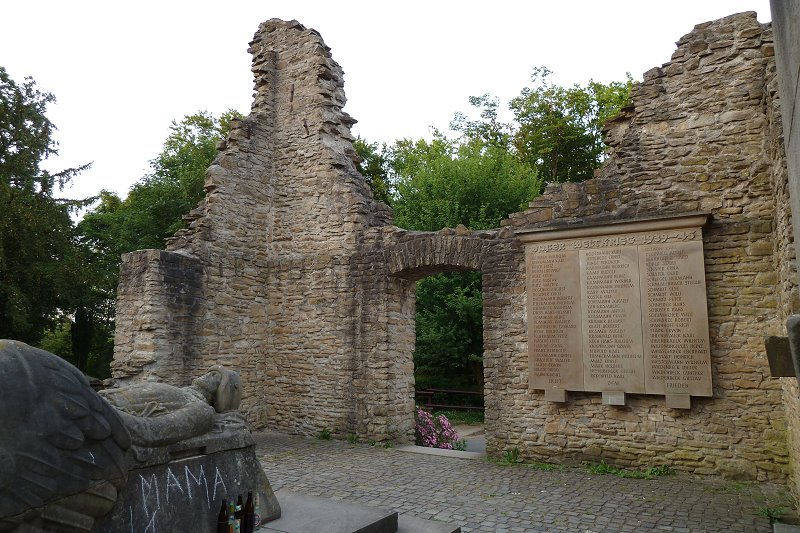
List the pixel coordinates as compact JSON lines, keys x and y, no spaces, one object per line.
{"x":231,"y":517}
{"x":222,"y":519}
{"x":239,"y":513}
{"x":248,"y":521}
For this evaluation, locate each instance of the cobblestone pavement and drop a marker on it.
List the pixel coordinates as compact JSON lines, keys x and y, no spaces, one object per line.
{"x":483,"y":496}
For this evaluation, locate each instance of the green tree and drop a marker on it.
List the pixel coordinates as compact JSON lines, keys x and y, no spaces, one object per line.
{"x":445,"y":182}
{"x":487,"y":129}
{"x":152,"y":212}
{"x":476,"y":180}
{"x":81,"y":334}
{"x":60,"y":341}
{"x":155,"y":205}
{"x":374,"y":167}
{"x":559,"y":128}
{"x":449,"y":324}
{"x":40,"y":262}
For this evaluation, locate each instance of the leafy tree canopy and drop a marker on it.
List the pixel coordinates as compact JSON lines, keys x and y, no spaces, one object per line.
{"x":374,"y":167}
{"x":41,"y":277}
{"x":477,"y":178}
{"x":559,"y":128}
{"x":152,"y":211}
{"x":474,"y":179}
{"x":156,"y":204}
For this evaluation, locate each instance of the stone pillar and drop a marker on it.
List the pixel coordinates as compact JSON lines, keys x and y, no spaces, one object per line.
{"x":159,"y":298}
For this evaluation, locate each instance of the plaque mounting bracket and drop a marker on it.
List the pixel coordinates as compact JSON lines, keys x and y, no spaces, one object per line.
{"x":679,"y":401}
{"x":555,"y":395}
{"x":614,"y":397}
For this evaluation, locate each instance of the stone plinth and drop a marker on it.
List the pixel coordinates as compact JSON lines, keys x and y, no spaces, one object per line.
{"x":181,"y":488}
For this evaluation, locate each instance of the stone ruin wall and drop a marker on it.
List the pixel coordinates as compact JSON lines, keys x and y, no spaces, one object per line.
{"x":701,"y":135}
{"x":284,"y":210}
{"x":297,"y":278}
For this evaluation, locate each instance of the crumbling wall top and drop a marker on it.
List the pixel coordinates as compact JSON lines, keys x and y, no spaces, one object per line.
{"x":689,"y":131}
{"x":286,"y":178}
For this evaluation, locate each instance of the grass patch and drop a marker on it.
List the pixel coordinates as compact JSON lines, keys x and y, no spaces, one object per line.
{"x":773,"y":514}
{"x":510,"y":457}
{"x":462,"y":418}
{"x":324,"y":434}
{"x":604,"y":468}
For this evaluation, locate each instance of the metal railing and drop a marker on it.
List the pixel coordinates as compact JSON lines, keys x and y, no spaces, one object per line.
{"x":425,"y":399}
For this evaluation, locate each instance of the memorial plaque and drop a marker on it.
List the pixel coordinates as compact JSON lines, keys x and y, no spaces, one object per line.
{"x":554,"y":317}
{"x":619,"y":308}
{"x":612,"y":329}
{"x":675,"y":319}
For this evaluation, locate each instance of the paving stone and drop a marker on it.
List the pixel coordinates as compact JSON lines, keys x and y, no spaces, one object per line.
{"x":524,"y":499}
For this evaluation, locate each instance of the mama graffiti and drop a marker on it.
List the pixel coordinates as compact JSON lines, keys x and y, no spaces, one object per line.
{"x":160,"y":493}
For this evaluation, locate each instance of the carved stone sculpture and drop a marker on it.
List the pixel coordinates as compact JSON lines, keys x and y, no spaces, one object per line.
{"x":62,"y":448}
{"x":73,"y":460}
{"x":158,"y":414}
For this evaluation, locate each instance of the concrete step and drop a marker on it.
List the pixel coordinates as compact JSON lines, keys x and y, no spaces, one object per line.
{"x":476,"y":444}
{"x":443,"y":453}
{"x":309,"y":514}
{"x":412,"y":524}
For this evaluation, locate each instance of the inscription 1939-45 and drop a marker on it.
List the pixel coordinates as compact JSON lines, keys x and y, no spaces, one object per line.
{"x":620,"y":308}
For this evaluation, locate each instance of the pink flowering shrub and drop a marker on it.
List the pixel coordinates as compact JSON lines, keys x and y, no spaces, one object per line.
{"x":434,"y":432}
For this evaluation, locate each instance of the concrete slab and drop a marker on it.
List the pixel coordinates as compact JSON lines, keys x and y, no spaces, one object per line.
{"x":310,"y":514}
{"x":779,"y":527}
{"x":438,"y":451}
{"x":476,"y":444}
{"x":412,"y":524}
{"x":474,"y":436}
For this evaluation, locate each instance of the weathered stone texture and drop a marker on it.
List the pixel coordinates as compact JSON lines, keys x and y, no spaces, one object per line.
{"x":700,"y":135}
{"x":296,"y":277}
{"x":154,"y":335}
{"x":284,"y":209}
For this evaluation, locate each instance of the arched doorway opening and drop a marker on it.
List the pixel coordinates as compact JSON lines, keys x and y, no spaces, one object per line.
{"x":448,"y":353}
{"x":446,"y":269}
{"x":436,"y":331}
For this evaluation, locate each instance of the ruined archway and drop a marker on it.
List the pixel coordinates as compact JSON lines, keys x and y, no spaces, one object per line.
{"x":440,"y":368}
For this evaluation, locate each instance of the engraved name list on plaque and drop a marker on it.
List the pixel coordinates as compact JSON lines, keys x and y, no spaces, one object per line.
{"x":619,"y":308}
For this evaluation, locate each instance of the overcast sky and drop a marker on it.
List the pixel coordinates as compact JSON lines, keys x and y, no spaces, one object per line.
{"x":122,"y":71}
